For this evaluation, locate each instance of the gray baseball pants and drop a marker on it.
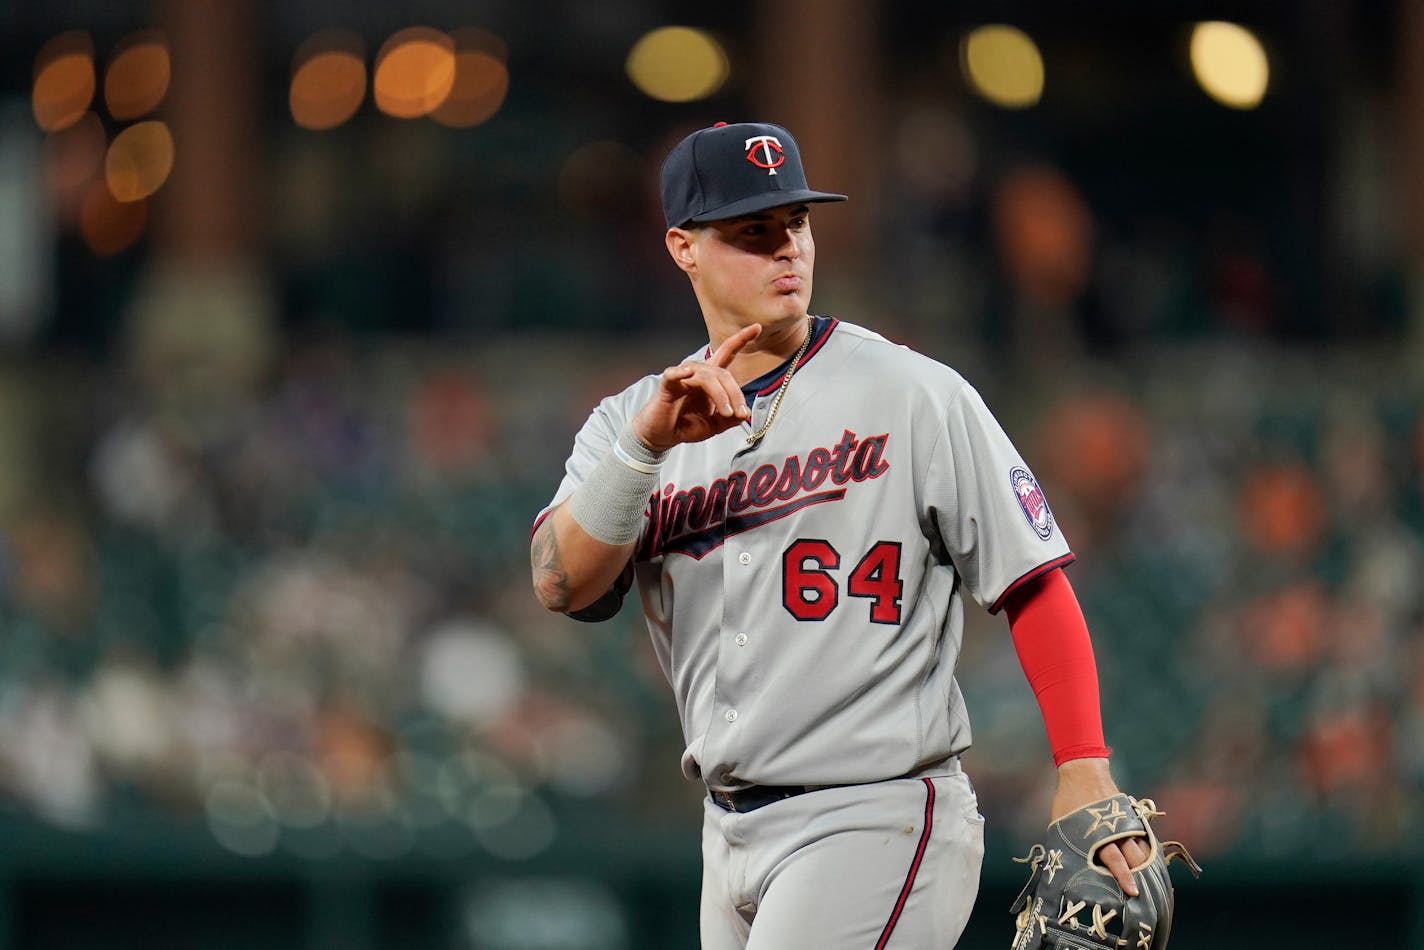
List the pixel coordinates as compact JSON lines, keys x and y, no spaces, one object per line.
{"x":889,"y":865}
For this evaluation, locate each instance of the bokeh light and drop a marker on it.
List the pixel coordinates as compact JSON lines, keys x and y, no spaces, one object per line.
{"x":64,"y":81}
{"x":139,"y":161}
{"x":137,"y":78}
{"x":1044,"y":229}
{"x":1287,"y":629}
{"x":108,"y":225}
{"x":294,"y":789}
{"x":475,"y":39}
{"x":328,"y":80}
{"x":239,"y":819}
{"x":678,"y":64}
{"x":415,"y":71}
{"x":1002,"y":64}
{"x":1282,"y":510}
{"x":1230,"y":64}
{"x":1097,"y":446}
{"x":73,"y":157}
{"x":481,"y":79}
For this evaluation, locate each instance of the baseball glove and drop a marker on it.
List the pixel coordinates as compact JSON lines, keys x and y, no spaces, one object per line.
{"x":1070,"y":901}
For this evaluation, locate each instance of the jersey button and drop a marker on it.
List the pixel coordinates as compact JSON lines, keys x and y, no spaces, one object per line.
{"x":744,"y":558}
{"x":741,"y":639}
{"x":731,"y":715}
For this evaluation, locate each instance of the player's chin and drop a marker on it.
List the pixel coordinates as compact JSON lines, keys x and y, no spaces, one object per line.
{"x":791,"y":304}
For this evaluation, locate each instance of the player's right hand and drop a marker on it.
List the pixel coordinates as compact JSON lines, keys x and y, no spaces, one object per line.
{"x":695,"y":401}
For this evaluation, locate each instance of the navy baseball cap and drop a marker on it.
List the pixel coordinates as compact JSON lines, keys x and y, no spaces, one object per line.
{"x":731,"y":170}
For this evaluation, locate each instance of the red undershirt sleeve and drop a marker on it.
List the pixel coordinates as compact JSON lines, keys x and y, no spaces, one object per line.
{"x":1051,"y":639}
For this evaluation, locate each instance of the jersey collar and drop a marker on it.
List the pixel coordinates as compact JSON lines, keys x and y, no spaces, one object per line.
{"x":766,"y":383}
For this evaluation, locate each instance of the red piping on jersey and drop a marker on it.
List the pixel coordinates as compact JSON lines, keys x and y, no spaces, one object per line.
{"x":914,"y":867}
{"x":831,"y":324}
{"x":538,"y":521}
{"x":816,"y":344}
{"x":1032,"y":575}
{"x":775,"y":384}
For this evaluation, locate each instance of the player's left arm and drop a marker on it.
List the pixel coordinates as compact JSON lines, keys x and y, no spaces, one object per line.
{"x":1051,"y":638}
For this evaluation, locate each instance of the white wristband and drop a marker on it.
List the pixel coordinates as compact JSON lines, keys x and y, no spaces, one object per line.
{"x":633,"y":453}
{"x":637,"y":466}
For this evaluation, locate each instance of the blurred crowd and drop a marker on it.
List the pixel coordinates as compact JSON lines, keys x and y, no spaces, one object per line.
{"x":1250,"y":531}
{"x":300,"y":620}
{"x":306,"y":613}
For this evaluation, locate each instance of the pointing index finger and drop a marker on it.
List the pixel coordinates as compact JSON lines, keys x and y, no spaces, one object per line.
{"x":731,"y":346}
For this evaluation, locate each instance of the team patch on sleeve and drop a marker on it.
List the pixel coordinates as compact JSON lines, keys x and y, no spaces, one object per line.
{"x":1031,"y":500}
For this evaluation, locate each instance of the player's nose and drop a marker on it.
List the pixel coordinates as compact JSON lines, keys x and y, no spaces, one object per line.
{"x":788,"y":247}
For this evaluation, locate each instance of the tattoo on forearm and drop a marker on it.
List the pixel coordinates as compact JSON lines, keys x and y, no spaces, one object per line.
{"x":551,"y":581}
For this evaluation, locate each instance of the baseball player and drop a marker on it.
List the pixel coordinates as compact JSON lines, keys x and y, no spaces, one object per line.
{"x":805,"y":508}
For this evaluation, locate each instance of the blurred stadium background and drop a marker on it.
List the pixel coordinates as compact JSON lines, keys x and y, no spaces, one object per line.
{"x":301,"y":303}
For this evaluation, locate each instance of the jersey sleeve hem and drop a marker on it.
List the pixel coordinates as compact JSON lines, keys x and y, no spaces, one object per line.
{"x":1030,"y":576}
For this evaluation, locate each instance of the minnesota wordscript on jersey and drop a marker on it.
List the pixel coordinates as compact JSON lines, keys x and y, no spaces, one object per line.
{"x":696,"y":520}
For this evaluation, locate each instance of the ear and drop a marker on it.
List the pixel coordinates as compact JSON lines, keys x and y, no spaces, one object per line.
{"x":682,"y":248}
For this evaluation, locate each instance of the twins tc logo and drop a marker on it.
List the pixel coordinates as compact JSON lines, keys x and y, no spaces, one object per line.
{"x":764,"y":151}
{"x":1031,"y":500}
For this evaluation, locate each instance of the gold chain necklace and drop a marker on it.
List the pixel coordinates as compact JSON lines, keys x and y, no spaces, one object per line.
{"x":755,"y":437}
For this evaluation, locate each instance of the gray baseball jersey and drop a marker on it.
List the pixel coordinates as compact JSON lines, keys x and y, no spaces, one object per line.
{"x":805,"y":594}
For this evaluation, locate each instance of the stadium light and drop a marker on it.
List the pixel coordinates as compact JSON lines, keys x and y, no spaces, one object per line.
{"x":1230,"y":64}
